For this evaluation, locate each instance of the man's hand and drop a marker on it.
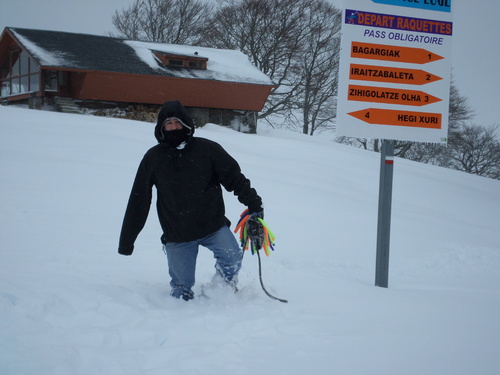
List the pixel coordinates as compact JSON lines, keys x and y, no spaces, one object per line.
{"x":255,"y":230}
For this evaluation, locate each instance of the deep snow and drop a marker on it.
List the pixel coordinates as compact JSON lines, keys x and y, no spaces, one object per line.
{"x":69,"y":304}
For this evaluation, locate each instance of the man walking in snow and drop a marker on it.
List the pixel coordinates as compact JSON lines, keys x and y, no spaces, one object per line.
{"x":188,"y":173}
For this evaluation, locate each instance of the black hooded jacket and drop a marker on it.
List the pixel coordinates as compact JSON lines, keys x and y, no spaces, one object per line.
{"x":188,"y":181}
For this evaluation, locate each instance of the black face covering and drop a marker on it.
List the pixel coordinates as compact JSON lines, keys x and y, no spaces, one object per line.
{"x":174,"y":137}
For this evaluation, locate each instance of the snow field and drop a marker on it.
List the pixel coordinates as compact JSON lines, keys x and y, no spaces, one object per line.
{"x":69,"y":304}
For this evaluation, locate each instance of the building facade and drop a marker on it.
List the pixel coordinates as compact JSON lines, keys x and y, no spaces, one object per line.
{"x":49,"y":68}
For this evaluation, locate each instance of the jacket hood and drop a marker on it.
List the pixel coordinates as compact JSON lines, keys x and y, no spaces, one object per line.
{"x":173,"y":109}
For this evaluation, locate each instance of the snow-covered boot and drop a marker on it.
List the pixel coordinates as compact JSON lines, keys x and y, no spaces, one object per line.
{"x":182,"y":292}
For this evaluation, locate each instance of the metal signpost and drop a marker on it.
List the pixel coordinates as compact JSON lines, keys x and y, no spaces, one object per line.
{"x":394,"y":82}
{"x":384,"y":214}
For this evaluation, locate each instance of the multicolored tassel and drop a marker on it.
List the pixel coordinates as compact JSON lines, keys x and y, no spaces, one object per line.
{"x":246,"y":243}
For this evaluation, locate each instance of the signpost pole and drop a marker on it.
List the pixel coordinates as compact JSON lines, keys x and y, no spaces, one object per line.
{"x":384,"y":214}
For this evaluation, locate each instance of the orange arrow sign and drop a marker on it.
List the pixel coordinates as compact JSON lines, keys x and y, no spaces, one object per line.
{"x":399,"y":118}
{"x":391,"y":75}
{"x":374,"y":94}
{"x":393,"y":53}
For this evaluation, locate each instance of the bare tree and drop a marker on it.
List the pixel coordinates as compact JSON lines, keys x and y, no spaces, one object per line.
{"x":460,"y":110}
{"x":364,"y":143}
{"x":272,"y":34}
{"x":165,"y":21}
{"x":319,"y":63}
{"x":476,"y":150}
{"x":294,"y":42}
{"x":459,"y":113}
{"x":128,"y":22}
{"x":471,"y":148}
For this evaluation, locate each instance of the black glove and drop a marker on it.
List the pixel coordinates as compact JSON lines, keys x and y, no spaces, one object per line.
{"x":255,"y":230}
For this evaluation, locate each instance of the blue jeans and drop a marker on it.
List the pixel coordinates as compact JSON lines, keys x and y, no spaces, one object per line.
{"x":182,"y":259}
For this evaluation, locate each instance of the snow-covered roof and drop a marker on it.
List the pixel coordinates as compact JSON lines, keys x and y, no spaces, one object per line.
{"x":100,"y":53}
{"x":223,"y":64}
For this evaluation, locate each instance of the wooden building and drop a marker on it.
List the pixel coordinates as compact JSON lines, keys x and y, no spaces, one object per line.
{"x":40,"y":66}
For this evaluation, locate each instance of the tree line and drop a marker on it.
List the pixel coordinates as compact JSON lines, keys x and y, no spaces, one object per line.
{"x":296,"y":43}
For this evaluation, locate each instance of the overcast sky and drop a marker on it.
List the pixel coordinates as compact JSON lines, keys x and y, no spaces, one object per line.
{"x":475,"y":58}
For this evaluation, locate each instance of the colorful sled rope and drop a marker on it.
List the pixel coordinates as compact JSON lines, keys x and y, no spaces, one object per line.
{"x":246,"y":243}
{"x":267,"y":244}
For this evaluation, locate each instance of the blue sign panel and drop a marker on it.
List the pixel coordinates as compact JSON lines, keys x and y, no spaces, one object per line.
{"x":439,"y":5}
{"x":388,"y":21}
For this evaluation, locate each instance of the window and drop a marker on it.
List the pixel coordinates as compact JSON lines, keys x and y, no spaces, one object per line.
{"x":195,"y":64}
{"x":19,"y":74}
{"x":175,"y":63}
{"x":34,"y":82}
{"x":180,"y":61}
{"x":51,"y":80}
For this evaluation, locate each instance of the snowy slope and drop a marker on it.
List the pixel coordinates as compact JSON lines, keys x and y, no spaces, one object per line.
{"x":69,"y":304}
